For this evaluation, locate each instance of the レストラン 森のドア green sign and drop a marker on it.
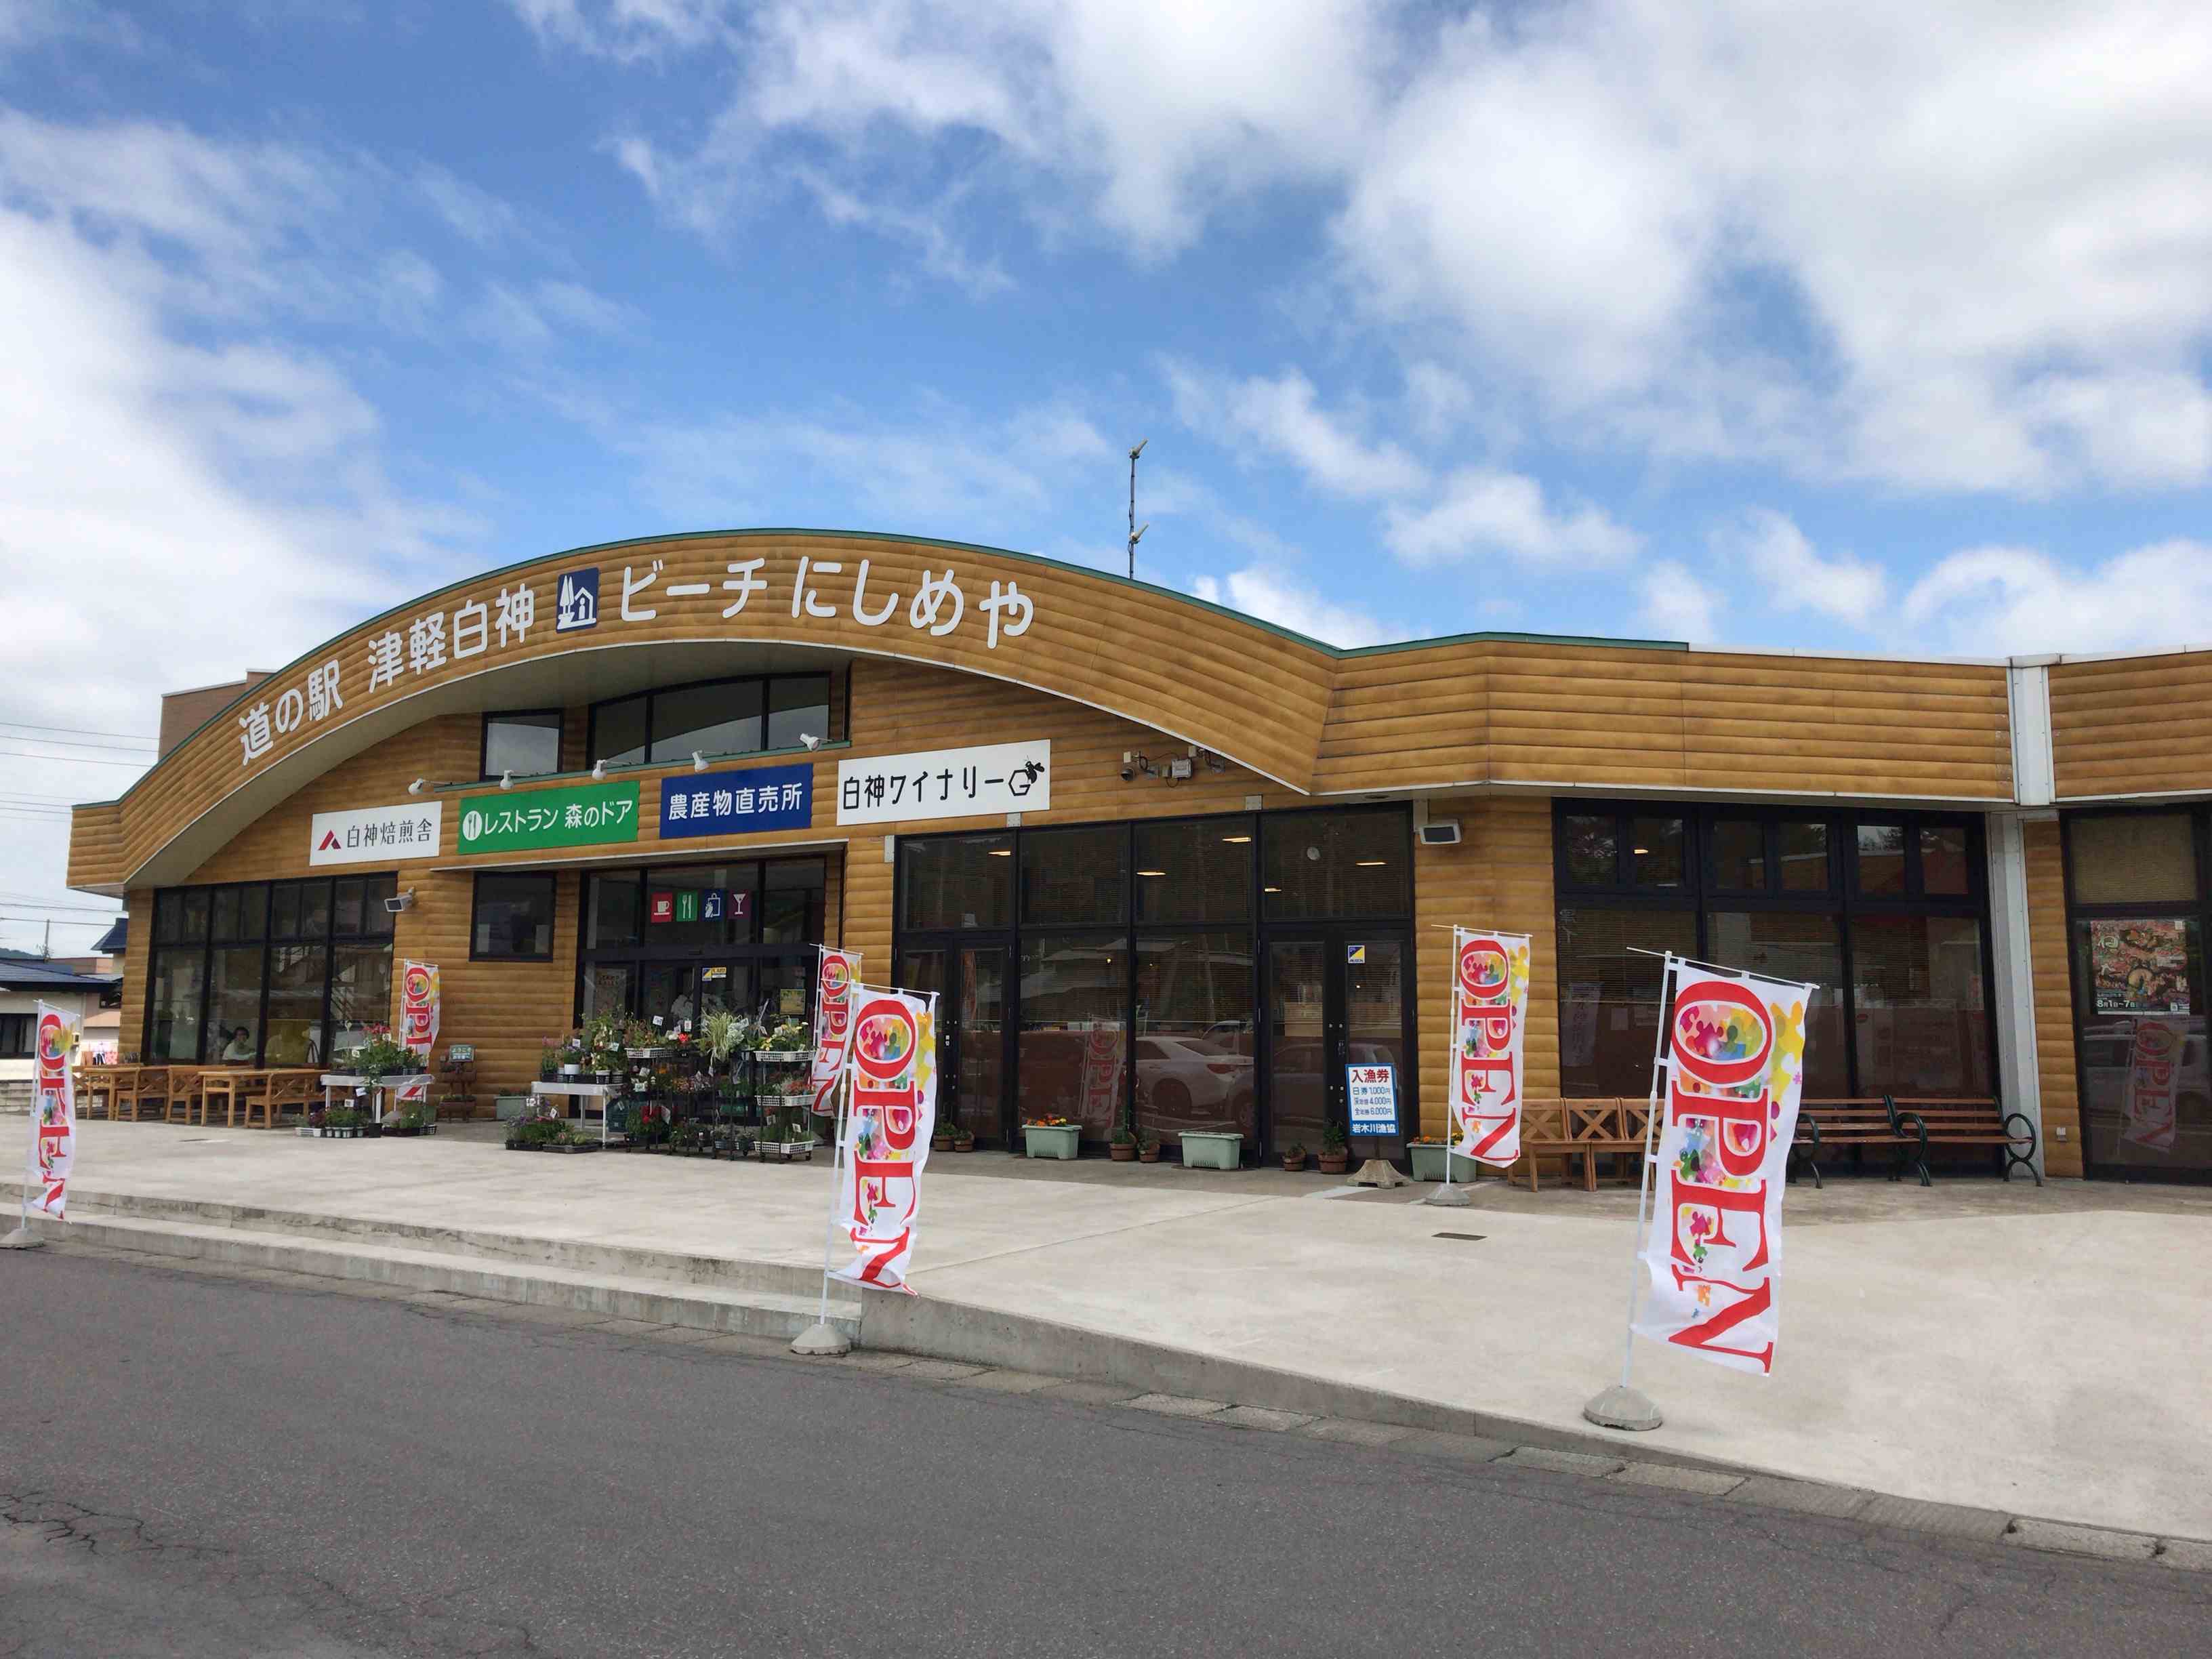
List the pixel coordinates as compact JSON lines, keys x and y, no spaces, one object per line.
{"x":588,"y":813}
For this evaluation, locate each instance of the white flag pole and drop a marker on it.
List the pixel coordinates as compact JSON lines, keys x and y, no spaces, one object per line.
{"x":822,"y":1338}
{"x":1624,"y":1405}
{"x":1448,"y":1197}
{"x":20,"y":1239}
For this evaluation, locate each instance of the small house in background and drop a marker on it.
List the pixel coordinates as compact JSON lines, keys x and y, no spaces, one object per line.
{"x":90,"y":988}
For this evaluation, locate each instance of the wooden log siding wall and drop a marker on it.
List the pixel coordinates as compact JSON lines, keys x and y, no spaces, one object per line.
{"x":2132,"y":725}
{"x":2049,"y":954}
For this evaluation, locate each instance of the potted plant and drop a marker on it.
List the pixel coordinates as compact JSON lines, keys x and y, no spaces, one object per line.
{"x":1051,"y":1137}
{"x":963,"y":1138}
{"x":940,"y":1139}
{"x":1148,"y":1147}
{"x":1121,"y":1145}
{"x":1212,"y":1149}
{"x":1294,"y":1156}
{"x":1335,"y":1150}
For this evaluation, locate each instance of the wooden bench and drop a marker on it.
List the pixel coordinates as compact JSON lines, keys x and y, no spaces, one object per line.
{"x":1822,"y":1124}
{"x":277,"y":1087}
{"x":1578,"y":1131}
{"x":1980,"y":1122}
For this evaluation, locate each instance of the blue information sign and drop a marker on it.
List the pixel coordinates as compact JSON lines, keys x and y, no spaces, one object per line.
{"x":1373,"y":1093}
{"x":737,"y":803}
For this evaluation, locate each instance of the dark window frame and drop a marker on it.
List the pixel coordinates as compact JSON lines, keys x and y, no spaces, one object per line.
{"x":593,"y":754}
{"x":551,"y":883}
{"x":639,"y":957}
{"x":559,"y":727}
{"x":23,"y":1029}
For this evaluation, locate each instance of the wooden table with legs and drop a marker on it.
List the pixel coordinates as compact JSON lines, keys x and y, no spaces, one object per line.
{"x":110,"y":1084}
{"x":225,"y":1086}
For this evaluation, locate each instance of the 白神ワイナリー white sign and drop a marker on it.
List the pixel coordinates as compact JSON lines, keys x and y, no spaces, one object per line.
{"x":376,"y":835}
{"x":946,"y":783}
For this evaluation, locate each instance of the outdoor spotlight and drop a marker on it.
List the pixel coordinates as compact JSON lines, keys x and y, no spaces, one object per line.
{"x":698,"y":762}
{"x":507,"y":780}
{"x":599,"y":771}
{"x":416,"y":787}
{"x":810,"y":739}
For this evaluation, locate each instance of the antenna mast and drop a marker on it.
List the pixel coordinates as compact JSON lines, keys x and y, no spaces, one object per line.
{"x":1136,"y":535}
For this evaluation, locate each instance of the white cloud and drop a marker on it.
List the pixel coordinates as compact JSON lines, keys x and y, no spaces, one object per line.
{"x":1676,"y":604}
{"x":942,"y":254}
{"x":1482,"y":510}
{"x":2006,"y":601}
{"x":626,"y":29}
{"x":1261,"y":590}
{"x":1795,"y":576}
{"x":1283,"y":417}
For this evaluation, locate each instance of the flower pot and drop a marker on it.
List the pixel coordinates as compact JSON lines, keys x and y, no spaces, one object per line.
{"x":1428,"y":1158}
{"x":1210,"y":1149}
{"x":570,"y":1070}
{"x":1294,"y":1163}
{"x":1121,"y":1154}
{"x":1149,"y":1155}
{"x":963,"y":1144}
{"x":1334,"y":1162}
{"x":940,"y":1143}
{"x":1059,"y":1140}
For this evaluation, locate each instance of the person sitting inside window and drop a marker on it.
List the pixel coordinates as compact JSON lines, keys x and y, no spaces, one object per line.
{"x":240,"y":1047}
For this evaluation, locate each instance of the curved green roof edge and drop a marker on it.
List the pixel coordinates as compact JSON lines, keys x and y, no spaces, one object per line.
{"x":1176,"y":594}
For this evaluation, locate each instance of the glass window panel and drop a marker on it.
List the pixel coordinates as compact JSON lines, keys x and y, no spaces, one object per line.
{"x":2133,"y":858}
{"x":234,"y":1007}
{"x":1298,"y":1042}
{"x":168,"y":917}
{"x":1074,"y":876}
{"x":284,"y":911}
{"x":1805,"y":856}
{"x":513,"y":917}
{"x":361,"y":992}
{"x":1335,"y":864}
{"x":1943,"y":872}
{"x":678,"y":903}
{"x":314,"y":909}
{"x":194,"y":930}
{"x":957,"y":881}
{"x":607,"y":989}
{"x":176,"y":987}
{"x":1074,"y":1004}
{"x":222,"y":914}
{"x":798,"y":708}
{"x":1195,"y":1007}
{"x":1740,"y":855}
{"x":721,"y":718}
{"x":1655,"y":851}
{"x":726,"y":987}
{"x":616,"y":913}
{"x":345,"y":907}
{"x":791,"y":903}
{"x":660,"y":987}
{"x":1610,"y":995}
{"x":527,"y":745}
{"x":1198,"y":871}
{"x":1807,"y":948}
{"x":1882,"y":860}
{"x":618,"y":731}
{"x":1593,"y":850}
{"x":2146,"y":1095}
{"x":297,"y":974}
{"x":376,"y":921}
{"x":785,"y":986}
{"x":1922,"y":1020}
{"x":1374,"y":1025}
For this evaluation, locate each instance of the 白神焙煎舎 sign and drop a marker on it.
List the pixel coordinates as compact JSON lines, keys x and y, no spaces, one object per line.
{"x":737,"y":803}
{"x":579,"y":815}
{"x":501,"y":618}
{"x":946,"y":783}
{"x":376,"y":835}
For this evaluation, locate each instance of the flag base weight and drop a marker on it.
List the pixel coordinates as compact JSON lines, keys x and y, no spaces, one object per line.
{"x":1377,"y":1172}
{"x":20,"y":1239}
{"x":1449,"y":1198}
{"x":821,"y":1340}
{"x":1623,"y":1407}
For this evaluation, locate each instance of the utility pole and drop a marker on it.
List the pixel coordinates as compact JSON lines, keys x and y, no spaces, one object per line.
{"x":1136,"y":535}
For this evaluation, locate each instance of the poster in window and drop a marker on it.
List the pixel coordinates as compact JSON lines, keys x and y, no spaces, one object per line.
{"x":2139,"y":967}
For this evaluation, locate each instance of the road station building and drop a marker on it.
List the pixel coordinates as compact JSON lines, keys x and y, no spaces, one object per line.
{"x":1105,"y":819}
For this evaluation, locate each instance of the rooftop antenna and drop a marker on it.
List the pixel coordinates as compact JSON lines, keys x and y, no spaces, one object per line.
{"x":1136,"y":534}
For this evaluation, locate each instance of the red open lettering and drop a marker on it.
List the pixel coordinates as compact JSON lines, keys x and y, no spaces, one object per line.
{"x":1723,"y":1201}
{"x":1721,"y":1073}
{"x":1702,"y":1334}
{"x":1722,"y":1110}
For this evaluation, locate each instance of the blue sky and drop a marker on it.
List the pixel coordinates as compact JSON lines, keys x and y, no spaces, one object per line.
{"x":1853,"y":328}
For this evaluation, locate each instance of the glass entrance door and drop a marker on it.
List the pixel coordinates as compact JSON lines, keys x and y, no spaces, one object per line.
{"x":1334,"y":1000}
{"x":970,"y":982}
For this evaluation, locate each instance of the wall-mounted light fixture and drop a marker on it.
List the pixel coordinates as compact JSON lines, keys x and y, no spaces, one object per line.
{"x":416,"y":787}
{"x":599,"y":771}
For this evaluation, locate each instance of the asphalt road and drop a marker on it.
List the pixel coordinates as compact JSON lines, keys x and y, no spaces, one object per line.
{"x":200,"y":1466}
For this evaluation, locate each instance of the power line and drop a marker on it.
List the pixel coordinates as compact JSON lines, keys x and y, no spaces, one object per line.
{"x":48,"y":921}
{"x":77,"y":760}
{"x":81,"y":730}
{"x":81,"y":742}
{"x":30,"y":903}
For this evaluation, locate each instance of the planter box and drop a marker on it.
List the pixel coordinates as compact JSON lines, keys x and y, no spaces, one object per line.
{"x":1208,"y":1149}
{"x":506,"y":1107}
{"x":314,"y":1134}
{"x":786,"y":1151}
{"x":1060,"y":1141}
{"x":391,"y":1130}
{"x":1429,"y":1165}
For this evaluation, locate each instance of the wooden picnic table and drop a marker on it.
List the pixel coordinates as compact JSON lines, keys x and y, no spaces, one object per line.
{"x":116,"y":1083}
{"x":264,"y":1089}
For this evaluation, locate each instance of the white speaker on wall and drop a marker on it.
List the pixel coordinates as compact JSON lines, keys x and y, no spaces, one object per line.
{"x":1440,"y":832}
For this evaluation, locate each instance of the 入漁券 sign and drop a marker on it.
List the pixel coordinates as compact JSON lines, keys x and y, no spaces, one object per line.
{"x":1373,"y":1092}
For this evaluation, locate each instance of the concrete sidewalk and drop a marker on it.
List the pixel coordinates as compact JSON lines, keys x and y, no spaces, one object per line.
{"x":2038,"y":1352}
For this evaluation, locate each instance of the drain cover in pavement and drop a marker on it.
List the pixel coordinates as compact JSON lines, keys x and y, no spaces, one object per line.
{"x":1472,"y":1238}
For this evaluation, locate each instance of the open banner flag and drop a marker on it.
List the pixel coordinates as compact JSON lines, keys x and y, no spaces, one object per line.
{"x":889,"y":1116}
{"x":1490,"y":1012}
{"x":419,"y":997}
{"x":1727,"y":1087}
{"x":834,"y":984}
{"x":54,"y":1114}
